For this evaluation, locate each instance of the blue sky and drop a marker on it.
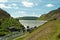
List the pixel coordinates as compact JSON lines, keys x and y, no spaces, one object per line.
{"x":19,"y":8}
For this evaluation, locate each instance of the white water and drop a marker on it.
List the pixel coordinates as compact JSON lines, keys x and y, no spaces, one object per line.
{"x":31,"y":23}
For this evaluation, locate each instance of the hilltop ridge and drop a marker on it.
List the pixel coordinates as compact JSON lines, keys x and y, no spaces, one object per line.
{"x":4,"y":14}
{"x":28,"y":18}
{"x":54,"y":14}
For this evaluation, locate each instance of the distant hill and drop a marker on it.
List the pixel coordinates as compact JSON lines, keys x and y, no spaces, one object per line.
{"x":4,"y":14}
{"x":27,"y":18}
{"x":54,"y":14}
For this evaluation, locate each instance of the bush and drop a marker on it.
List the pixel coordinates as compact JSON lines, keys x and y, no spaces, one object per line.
{"x":11,"y":22}
{"x":0,"y":23}
{"x":30,"y":30}
{"x":23,"y":28}
{"x":59,"y":36}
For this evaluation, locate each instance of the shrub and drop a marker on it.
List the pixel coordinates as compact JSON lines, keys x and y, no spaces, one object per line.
{"x":59,"y":36}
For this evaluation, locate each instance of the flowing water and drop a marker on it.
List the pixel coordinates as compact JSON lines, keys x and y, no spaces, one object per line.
{"x":32,"y":23}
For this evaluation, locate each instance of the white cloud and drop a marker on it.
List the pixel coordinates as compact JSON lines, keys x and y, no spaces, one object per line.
{"x":14,"y":4}
{"x":49,"y":5}
{"x":4,"y":6}
{"x":21,"y":12}
{"x":27,"y":4}
{"x":34,"y":14}
{"x":16,"y":7}
{"x":3,"y":0}
{"x":9,"y":6}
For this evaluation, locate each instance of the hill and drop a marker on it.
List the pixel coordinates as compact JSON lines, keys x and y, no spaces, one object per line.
{"x":6,"y":21}
{"x":54,"y":14}
{"x":4,"y":14}
{"x":27,"y":18}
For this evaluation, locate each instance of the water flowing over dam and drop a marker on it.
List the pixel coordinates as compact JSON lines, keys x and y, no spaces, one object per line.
{"x":31,"y":23}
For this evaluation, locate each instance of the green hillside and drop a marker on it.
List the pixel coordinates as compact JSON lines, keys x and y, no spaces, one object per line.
{"x":54,"y":14}
{"x":4,"y":14}
{"x":7,"y":21}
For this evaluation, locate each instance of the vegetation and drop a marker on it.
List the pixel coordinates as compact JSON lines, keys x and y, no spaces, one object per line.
{"x":4,"y":14}
{"x":48,"y":31}
{"x":28,"y":18}
{"x":7,"y":21}
{"x":55,"y":14}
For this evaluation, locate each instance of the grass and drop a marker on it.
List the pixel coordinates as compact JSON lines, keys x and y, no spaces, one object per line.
{"x":48,"y":31}
{"x":21,"y":37}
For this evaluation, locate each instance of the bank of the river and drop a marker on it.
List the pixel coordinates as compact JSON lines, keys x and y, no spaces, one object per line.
{"x":21,"y":37}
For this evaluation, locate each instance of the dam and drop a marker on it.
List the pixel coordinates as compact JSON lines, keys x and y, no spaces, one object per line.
{"x":31,"y":23}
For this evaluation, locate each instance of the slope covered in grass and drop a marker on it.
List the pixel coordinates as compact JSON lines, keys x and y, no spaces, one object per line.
{"x":6,"y":21}
{"x":48,"y":31}
{"x":54,"y":14}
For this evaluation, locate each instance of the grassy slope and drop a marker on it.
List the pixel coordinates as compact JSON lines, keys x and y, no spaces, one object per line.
{"x":48,"y":31}
{"x":54,"y":14}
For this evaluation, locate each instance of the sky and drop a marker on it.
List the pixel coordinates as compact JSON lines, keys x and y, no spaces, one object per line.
{"x":20,"y":8}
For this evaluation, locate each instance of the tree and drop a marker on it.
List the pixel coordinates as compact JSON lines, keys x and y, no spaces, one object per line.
{"x":59,"y":36}
{"x":23,"y":28}
{"x":0,"y":23}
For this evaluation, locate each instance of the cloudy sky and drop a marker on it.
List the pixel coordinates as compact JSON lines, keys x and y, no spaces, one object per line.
{"x":18,"y":8}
